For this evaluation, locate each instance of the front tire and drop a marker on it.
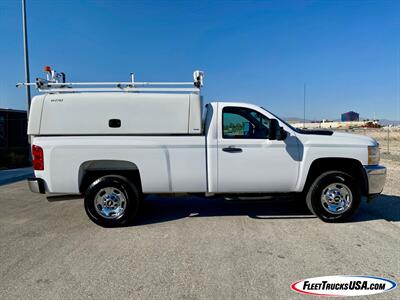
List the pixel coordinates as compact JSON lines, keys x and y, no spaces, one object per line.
{"x":334,"y":196}
{"x":112,"y":201}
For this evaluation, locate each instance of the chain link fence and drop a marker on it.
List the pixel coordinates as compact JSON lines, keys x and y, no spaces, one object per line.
{"x":387,"y":137}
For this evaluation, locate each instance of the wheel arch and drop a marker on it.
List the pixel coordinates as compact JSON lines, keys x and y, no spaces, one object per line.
{"x":91,"y":170}
{"x":348,"y":165}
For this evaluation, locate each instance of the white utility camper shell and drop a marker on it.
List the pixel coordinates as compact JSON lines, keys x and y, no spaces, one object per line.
{"x":115,"y":113}
{"x":116,"y":108}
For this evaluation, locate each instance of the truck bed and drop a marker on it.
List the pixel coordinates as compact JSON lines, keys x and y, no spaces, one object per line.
{"x":166,"y":163}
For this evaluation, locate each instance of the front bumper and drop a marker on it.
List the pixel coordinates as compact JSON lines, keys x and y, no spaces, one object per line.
{"x":36,"y":185}
{"x":376,"y":175}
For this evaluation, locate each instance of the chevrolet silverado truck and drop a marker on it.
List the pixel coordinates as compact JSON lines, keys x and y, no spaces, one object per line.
{"x":115,"y":143}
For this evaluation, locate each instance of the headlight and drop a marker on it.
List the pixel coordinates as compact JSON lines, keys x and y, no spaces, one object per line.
{"x":373,"y":155}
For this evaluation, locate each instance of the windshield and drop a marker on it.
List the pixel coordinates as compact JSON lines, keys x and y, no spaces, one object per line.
{"x":284,"y":122}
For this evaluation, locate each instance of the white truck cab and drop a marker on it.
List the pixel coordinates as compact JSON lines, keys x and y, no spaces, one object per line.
{"x":114,"y":145}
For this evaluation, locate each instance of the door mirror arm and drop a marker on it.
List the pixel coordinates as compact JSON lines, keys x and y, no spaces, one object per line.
{"x":276,"y":132}
{"x":282,"y":134}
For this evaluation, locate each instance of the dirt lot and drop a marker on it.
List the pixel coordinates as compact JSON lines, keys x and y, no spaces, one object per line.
{"x":388,"y":138}
{"x":194,"y":248}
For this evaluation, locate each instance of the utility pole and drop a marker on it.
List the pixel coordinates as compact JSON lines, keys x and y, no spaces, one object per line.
{"x":26,"y":59}
{"x":398,"y":84}
{"x":304,"y":106}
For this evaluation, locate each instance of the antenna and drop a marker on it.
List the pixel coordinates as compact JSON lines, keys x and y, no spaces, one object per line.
{"x":304,"y":106}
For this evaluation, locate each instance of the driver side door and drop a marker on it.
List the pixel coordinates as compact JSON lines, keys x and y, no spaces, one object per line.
{"x":248,"y":162}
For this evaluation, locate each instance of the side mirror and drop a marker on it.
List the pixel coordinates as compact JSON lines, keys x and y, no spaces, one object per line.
{"x":275,"y":131}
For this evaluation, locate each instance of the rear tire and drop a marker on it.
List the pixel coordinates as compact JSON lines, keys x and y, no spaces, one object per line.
{"x":112,"y":201}
{"x":334,"y":196}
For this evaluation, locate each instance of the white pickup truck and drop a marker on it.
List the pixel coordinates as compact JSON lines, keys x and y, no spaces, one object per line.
{"x":114,"y":145}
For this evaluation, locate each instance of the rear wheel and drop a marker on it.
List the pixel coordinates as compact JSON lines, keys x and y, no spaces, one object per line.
{"x":112,"y":201}
{"x":334,"y":196}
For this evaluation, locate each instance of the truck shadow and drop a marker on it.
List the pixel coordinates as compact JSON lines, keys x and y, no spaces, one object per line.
{"x":385,"y":207}
{"x":165,"y":209}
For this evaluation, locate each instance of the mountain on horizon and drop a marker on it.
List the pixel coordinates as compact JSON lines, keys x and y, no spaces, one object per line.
{"x":384,"y":122}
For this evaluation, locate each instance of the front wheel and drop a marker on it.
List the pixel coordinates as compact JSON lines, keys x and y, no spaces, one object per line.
{"x":112,"y":201}
{"x":334,"y":196}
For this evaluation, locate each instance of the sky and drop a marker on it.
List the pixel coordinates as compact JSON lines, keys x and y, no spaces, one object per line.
{"x":263,"y":52}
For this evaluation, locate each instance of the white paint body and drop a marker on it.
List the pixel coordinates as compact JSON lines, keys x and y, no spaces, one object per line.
{"x":192,"y":162}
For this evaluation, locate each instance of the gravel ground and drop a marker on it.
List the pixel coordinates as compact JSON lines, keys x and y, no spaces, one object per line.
{"x":190,"y":248}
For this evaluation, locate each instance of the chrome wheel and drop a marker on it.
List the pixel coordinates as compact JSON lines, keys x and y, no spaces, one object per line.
{"x":110,"y":203}
{"x":336,"y":198}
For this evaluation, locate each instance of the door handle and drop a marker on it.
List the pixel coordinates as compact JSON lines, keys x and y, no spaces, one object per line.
{"x":231,"y":149}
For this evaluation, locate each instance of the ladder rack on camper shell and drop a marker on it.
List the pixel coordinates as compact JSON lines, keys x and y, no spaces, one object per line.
{"x":55,"y":83}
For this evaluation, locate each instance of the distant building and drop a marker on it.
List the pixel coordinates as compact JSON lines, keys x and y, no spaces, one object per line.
{"x":350,"y":116}
{"x":14,"y":147}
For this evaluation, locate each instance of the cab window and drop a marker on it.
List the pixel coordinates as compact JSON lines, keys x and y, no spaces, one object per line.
{"x":243,"y":123}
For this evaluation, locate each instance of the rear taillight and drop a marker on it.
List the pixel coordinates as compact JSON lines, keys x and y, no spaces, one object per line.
{"x":37,"y":158}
